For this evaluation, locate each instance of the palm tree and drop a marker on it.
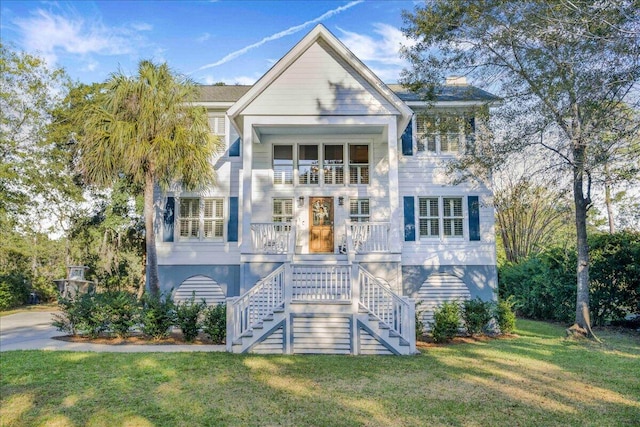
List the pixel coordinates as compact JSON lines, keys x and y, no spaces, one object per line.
{"x":146,"y":129}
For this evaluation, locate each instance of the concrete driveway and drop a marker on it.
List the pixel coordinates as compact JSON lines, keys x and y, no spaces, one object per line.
{"x":33,"y":331}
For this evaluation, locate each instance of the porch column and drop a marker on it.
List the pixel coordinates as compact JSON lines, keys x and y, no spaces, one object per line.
{"x":394,"y":190}
{"x":246,"y":195}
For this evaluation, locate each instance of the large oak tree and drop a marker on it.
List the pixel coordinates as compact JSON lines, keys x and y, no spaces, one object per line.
{"x":563,"y":69}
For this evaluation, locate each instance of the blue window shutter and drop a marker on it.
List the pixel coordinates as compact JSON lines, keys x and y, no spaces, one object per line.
{"x":407,"y":140}
{"x":234,"y":148}
{"x":409,"y":219}
{"x":474,"y":218}
{"x":168,"y":219}
{"x":232,"y":226}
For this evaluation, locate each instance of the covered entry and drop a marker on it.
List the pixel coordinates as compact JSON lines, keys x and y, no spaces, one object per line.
{"x":321,"y":225}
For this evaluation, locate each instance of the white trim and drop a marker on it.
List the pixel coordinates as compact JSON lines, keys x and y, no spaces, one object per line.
{"x":320,"y":32}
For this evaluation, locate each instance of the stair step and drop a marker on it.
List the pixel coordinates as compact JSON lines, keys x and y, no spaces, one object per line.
{"x":247,"y":333}
{"x":258,"y":325}
{"x":393,"y":334}
{"x":373,"y":317}
{"x":383,"y":325}
{"x":237,"y":341}
{"x":268,"y":318}
{"x":278,"y":310}
{"x":403,"y":342}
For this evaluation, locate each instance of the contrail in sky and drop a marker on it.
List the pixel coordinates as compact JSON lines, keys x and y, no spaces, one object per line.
{"x":279,"y":35}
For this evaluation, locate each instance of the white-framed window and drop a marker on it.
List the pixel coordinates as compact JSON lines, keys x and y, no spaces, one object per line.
{"x":358,"y":164}
{"x":440,"y":217}
{"x":201,"y":218}
{"x":217,"y":125}
{"x":359,"y":210}
{"x":282,"y":210}
{"x":333,"y":164}
{"x":308,"y":164}
{"x":443,"y":134}
{"x":283,"y":164}
{"x":189,"y":220}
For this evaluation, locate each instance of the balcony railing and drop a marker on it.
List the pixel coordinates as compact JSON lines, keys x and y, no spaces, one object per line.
{"x":272,"y":237}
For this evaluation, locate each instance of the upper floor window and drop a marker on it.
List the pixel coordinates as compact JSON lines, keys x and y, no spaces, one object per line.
{"x":321,"y":164}
{"x":440,"y":217}
{"x":359,"y":210}
{"x":358,"y":164}
{"x":201,"y":218}
{"x":283,"y":164}
{"x":444,"y":134}
{"x":308,"y":164}
{"x":217,"y":124}
{"x":333,"y":165}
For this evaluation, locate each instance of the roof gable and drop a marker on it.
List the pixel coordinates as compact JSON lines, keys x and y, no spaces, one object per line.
{"x":335,"y":82}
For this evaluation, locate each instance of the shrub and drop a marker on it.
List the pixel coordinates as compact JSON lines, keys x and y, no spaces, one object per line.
{"x":476,"y":314}
{"x":446,"y":322}
{"x":80,"y":315}
{"x":14,"y":291}
{"x":188,"y":317}
{"x":158,"y":315}
{"x":419,"y":320}
{"x":122,"y":312}
{"x":214,"y":324}
{"x":505,"y":316}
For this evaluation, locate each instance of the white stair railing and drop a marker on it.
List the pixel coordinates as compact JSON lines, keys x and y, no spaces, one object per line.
{"x":256,"y":304}
{"x":397,"y":312}
{"x":271,"y":237}
{"x":321,"y":283}
{"x":369,"y":237}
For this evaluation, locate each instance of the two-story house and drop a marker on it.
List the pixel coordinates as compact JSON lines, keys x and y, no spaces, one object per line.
{"x":333,"y":210}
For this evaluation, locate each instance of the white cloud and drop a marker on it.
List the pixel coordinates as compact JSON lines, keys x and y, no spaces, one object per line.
{"x":203,"y":38}
{"x":384,"y":49}
{"x":279,"y":35}
{"x":141,"y":26}
{"x":50,"y":34}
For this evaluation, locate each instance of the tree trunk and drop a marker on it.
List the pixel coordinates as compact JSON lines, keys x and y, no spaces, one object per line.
{"x":607,"y":198}
{"x":581,"y":205}
{"x":150,"y":237}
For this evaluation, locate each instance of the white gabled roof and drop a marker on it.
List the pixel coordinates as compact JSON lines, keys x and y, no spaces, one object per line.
{"x":318,"y":35}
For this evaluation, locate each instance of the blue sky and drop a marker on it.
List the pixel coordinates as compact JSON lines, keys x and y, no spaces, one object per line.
{"x":226,"y":40}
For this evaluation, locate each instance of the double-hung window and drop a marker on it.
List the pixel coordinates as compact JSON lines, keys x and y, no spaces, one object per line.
{"x":308,"y":164}
{"x":283,"y":164}
{"x":440,"y":217}
{"x":201,"y":218}
{"x":444,"y":134}
{"x":358,"y":164}
{"x":359,"y":210}
{"x":333,"y":164}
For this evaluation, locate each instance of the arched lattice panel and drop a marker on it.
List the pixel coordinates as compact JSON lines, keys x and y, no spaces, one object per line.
{"x":437,"y":289}
{"x":204,"y":288}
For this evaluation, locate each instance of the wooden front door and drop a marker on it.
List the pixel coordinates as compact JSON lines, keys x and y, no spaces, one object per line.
{"x":321,"y":220}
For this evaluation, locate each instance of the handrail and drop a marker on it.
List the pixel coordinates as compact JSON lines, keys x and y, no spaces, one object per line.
{"x":272,"y":237}
{"x":369,"y":237}
{"x":383,"y":303}
{"x":258,"y":302}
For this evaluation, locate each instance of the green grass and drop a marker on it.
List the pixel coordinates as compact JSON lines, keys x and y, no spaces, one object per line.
{"x":46,"y":306}
{"x":536,"y":379}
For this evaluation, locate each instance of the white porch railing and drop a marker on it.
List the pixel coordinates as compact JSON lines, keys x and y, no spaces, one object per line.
{"x":369,"y":237}
{"x":272,"y":237}
{"x":256,"y":304}
{"x":398,"y":313}
{"x":321,"y":283}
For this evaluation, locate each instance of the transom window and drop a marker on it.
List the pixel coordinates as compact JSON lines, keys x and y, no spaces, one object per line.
{"x":440,"y":217}
{"x":282,"y":210}
{"x":201,"y":218}
{"x":320,"y":164}
{"x":445,"y":134}
{"x":359,"y":210}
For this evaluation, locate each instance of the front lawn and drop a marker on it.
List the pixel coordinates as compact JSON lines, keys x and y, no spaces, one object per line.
{"x":536,"y":379}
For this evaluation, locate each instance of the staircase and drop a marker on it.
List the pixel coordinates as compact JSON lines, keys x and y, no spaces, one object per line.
{"x":321,"y":309}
